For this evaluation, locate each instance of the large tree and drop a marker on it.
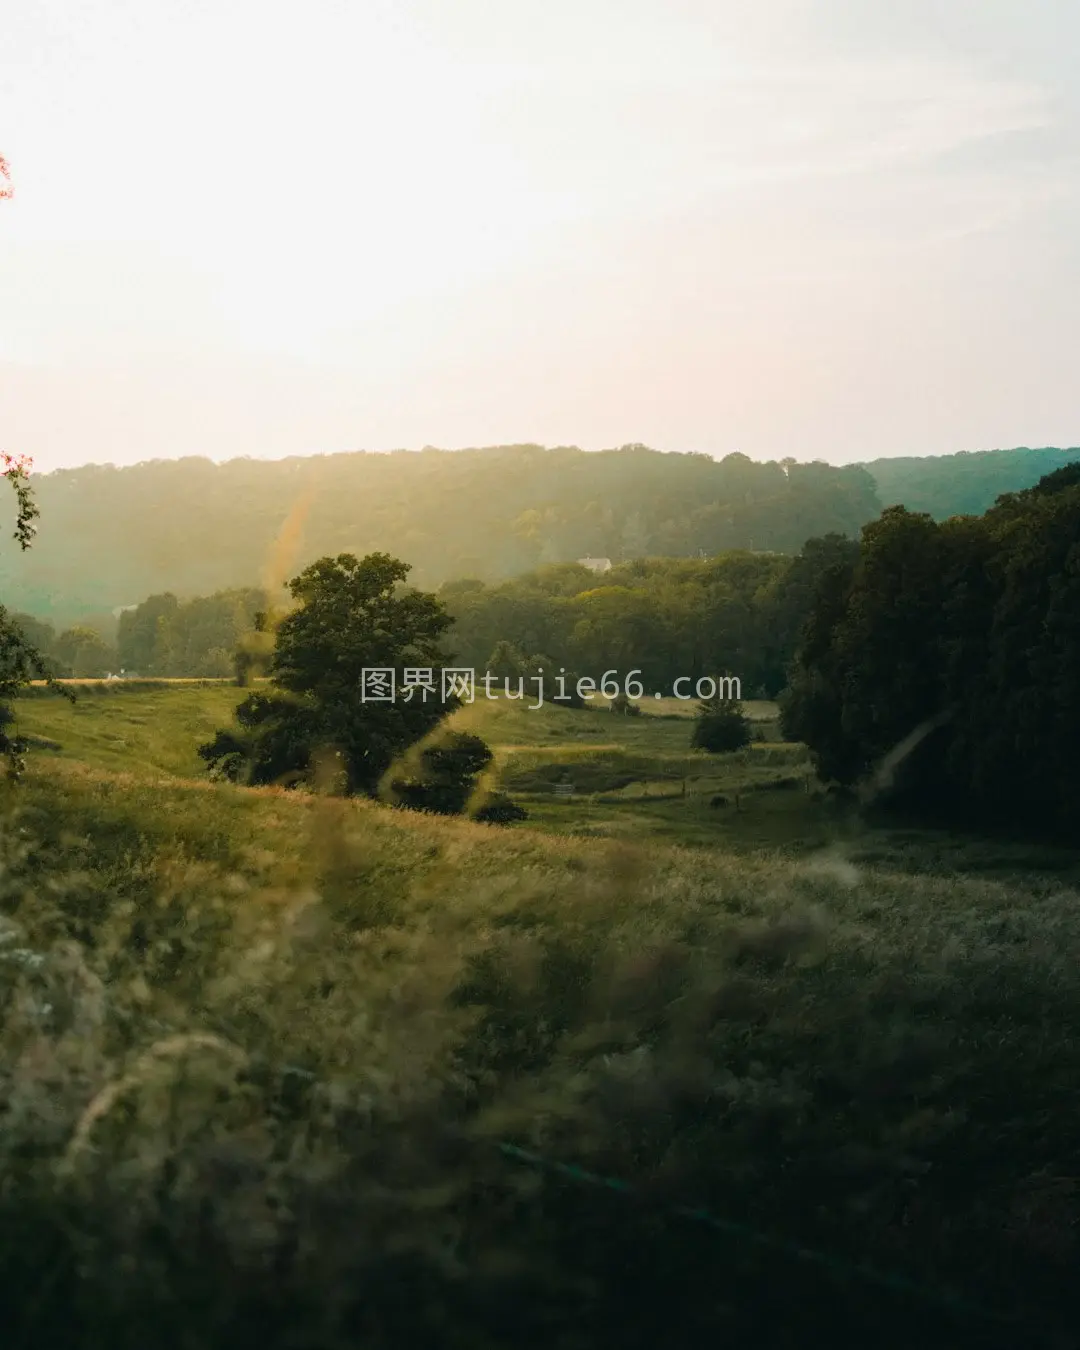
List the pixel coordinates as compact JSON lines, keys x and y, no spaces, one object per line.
{"x":356,"y":632}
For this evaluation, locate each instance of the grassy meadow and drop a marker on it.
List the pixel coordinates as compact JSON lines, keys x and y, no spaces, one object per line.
{"x":268,"y":1055}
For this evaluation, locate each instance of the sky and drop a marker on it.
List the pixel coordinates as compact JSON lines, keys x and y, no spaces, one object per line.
{"x":833,"y":229}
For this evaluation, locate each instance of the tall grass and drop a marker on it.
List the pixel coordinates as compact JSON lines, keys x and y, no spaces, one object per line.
{"x":259,"y":1050}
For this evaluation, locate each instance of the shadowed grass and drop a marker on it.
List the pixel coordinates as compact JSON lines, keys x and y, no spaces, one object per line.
{"x":263,"y":1088}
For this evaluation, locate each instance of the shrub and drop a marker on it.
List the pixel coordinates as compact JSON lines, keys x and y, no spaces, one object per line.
{"x":499,"y":809}
{"x":625,"y":706}
{"x":721,"y":727}
{"x":447,"y":775}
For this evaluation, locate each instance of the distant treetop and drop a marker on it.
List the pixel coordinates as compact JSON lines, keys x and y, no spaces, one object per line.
{"x":193,"y":527}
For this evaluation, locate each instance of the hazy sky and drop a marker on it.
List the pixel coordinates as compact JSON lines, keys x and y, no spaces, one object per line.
{"x":823,"y":228}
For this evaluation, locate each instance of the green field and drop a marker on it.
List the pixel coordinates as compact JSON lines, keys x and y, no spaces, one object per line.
{"x":632,"y":778}
{"x":308,"y":1026}
{"x":129,"y":727}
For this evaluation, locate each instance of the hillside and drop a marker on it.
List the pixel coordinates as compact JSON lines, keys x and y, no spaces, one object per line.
{"x":194,"y":527}
{"x":315,"y":1032}
{"x":963,"y":484}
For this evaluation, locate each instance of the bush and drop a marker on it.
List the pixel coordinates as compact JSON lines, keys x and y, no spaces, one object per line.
{"x":446,"y":778}
{"x":274,"y":742}
{"x":721,"y":727}
{"x":499,"y":809}
{"x":621,"y":704}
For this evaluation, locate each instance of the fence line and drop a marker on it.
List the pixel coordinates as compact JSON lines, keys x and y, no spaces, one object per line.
{"x":895,"y":1282}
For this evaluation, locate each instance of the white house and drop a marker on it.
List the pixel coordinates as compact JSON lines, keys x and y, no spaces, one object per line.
{"x":596,"y":564}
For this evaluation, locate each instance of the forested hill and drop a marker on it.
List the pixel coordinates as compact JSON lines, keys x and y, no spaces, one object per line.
{"x":963,"y":484}
{"x":112,"y":536}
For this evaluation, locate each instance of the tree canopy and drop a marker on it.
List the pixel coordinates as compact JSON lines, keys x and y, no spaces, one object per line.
{"x":940,"y":665}
{"x":192,"y":527}
{"x":344,"y":678}
{"x":668,"y":617}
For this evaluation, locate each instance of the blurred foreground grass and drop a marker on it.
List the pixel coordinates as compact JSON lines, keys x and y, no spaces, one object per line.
{"x":259,"y":1049}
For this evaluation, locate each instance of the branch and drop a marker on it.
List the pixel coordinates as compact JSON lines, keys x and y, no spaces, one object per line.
{"x":17,"y":471}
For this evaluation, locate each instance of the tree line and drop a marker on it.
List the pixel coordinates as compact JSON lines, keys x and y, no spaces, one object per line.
{"x":939,"y":666}
{"x":192,"y":527}
{"x":162,"y":637}
{"x":667,"y":618}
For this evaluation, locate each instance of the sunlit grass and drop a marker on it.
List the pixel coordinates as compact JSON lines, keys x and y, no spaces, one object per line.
{"x":135,"y":731}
